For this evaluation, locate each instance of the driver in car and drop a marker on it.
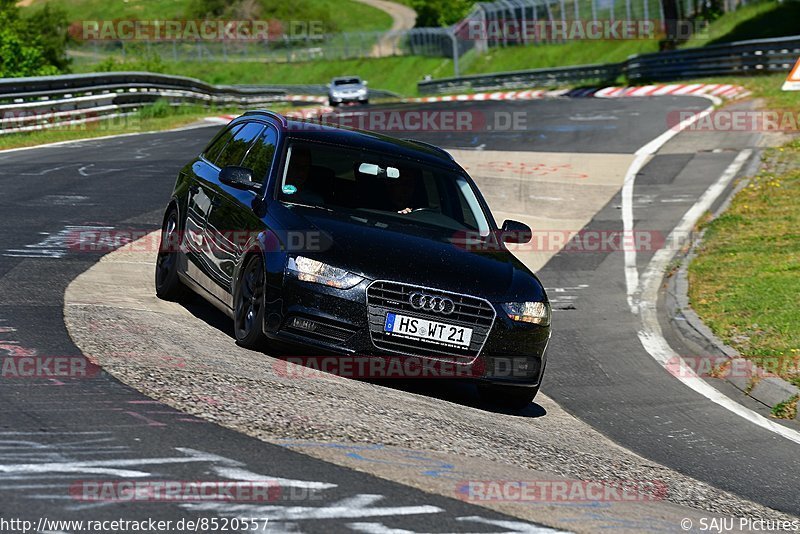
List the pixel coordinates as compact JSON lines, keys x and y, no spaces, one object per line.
{"x":298,"y":176}
{"x":402,"y":192}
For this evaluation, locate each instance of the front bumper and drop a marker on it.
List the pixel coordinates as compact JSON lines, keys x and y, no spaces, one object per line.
{"x":315,"y":321}
{"x":348,"y":99}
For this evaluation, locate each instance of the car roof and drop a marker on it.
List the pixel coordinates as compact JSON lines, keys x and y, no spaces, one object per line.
{"x":347,"y":78}
{"x":307,"y":130}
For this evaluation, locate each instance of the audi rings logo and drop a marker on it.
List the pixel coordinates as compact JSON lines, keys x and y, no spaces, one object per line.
{"x":421,"y":301}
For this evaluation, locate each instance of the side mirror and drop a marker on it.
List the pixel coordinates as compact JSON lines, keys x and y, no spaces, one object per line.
{"x":238,"y":177}
{"x":516,"y":232}
{"x":365,"y":82}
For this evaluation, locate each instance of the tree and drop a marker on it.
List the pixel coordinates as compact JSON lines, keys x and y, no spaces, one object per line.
{"x":670,"y":8}
{"x":431,"y":13}
{"x":50,"y":25}
{"x":35,"y":46}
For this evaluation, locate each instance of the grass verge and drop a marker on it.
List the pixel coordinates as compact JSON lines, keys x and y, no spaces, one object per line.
{"x":745,"y":281}
{"x":760,"y":20}
{"x":398,"y":74}
{"x":343,"y":15}
{"x":147,"y":120}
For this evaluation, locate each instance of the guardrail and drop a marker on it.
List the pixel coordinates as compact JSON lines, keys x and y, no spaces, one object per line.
{"x":738,"y":58}
{"x":28,"y":104}
{"x":524,"y":78}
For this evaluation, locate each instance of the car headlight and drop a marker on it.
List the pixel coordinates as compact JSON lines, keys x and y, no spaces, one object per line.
{"x":528,"y":312}
{"x":309,"y":270}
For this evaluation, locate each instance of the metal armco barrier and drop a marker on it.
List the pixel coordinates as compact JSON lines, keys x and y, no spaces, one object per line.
{"x":28,"y":104}
{"x":525,"y":78}
{"x":738,"y":58}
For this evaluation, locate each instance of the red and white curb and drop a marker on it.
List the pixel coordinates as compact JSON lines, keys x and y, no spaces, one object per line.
{"x":698,"y":89}
{"x":695,"y":89}
{"x":497,"y":95}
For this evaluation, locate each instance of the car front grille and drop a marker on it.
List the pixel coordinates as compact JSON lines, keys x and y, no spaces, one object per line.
{"x":472,"y":312}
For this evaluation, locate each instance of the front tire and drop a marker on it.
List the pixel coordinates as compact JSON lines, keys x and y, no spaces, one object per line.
{"x":168,"y":283}
{"x":248,"y":311}
{"x":512,"y":397}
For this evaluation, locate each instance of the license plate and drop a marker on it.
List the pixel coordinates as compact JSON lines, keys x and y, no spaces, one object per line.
{"x":423,"y":329}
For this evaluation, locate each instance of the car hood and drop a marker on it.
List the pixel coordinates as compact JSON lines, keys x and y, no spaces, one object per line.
{"x":412,"y":254}
{"x":346,"y":88}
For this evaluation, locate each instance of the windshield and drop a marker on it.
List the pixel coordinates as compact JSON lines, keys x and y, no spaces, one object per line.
{"x":347,"y":81}
{"x":371,"y":184}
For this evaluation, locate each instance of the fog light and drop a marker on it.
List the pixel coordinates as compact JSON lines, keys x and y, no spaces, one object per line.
{"x":303,"y":324}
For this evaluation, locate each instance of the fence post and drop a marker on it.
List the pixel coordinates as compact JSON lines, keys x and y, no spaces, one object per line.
{"x":454,"y":39}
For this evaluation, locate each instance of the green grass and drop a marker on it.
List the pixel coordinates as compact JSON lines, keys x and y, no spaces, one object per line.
{"x":153,"y":118}
{"x":353,"y":16}
{"x":759,"y":20}
{"x":745,"y":282}
{"x":345,"y":15}
{"x":555,"y":55}
{"x":398,"y":74}
{"x":401,"y":74}
{"x":78,"y":10}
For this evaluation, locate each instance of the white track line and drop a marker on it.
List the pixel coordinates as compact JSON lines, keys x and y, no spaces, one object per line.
{"x":643,"y":298}
{"x":104,"y":137}
{"x":651,"y":335}
{"x":641,"y":157}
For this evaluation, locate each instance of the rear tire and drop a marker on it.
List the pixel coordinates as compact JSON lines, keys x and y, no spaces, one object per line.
{"x":248,"y":307}
{"x":168,"y":283}
{"x":512,"y":397}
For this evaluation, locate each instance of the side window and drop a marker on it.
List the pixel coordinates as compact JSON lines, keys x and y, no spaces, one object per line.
{"x":213,"y":151}
{"x":259,"y":157}
{"x":234,"y":151}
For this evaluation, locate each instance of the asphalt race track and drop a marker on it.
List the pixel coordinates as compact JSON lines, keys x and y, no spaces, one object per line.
{"x":55,"y":432}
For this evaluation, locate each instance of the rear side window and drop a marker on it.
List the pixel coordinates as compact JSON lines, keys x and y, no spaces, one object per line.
{"x":237,"y":147}
{"x":259,"y":157}
{"x":213,"y":151}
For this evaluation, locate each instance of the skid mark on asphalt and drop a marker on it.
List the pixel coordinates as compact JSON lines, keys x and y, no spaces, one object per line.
{"x":564,"y":298}
{"x":59,"y":244}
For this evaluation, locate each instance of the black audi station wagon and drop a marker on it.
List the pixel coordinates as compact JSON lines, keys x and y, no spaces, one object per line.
{"x":346,"y":243}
